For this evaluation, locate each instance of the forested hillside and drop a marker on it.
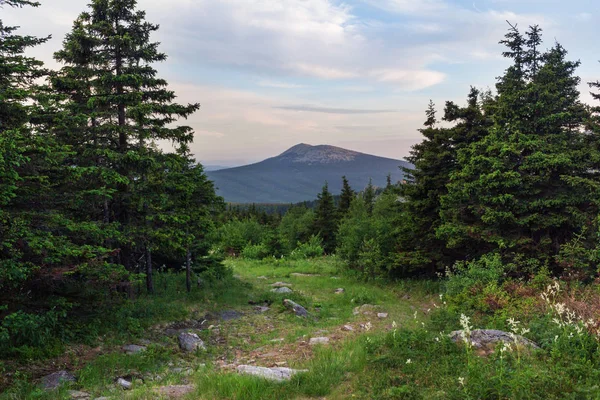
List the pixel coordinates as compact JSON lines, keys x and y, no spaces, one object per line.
{"x":124,"y":275}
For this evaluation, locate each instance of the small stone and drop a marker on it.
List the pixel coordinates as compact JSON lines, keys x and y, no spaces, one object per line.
{"x":306,"y":275}
{"x":365,"y":309}
{"x":347,"y":328}
{"x":282,"y":290}
{"x":54,"y":380}
{"x":339,"y":291}
{"x":125,"y":384}
{"x":318,"y":340}
{"x":77,"y":395}
{"x":190,"y":342}
{"x":261,"y":309}
{"x":275,"y":374}
{"x":488,"y":338}
{"x":229,"y":315}
{"x":382,"y":315}
{"x":175,"y":391}
{"x":262,"y":277}
{"x":277,"y":340}
{"x":297,"y":308}
{"x":280,"y":284}
{"x":133,"y":348}
{"x":102,"y":398}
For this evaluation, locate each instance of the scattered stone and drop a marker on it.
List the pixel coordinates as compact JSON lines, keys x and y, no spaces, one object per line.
{"x":54,"y":380}
{"x":365,"y":309}
{"x":125,"y":384}
{"x":175,"y":391}
{"x":318,"y":340}
{"x":102,"y":398}
{"x":281,"y":363}
{"x":486,"y":339}
{"x":261,"y":309}
{"x":406,"y":297}
{"x":229,"y":315}
{"x":282,"y":290}
{"x":297,"y":308}
{"x":133,"y":348}
{"x":77,"y":395}
{"x":382,"y":315}
{"x":299,"y":274}
{"x":262,"y":277}
{"x":280,"y":284}
{"x":277,"y":340}
{"x":145,"y":342}
{"x":339,"y":291}
{"x":347,"y":328}
{"x":275,"y":374}
{"x":190,"y":342}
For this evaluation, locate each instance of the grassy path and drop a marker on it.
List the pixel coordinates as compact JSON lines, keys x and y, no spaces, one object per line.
{"x":237,"y":333}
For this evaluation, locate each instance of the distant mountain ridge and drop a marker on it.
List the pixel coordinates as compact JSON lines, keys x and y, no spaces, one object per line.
{"x":299,"y":173}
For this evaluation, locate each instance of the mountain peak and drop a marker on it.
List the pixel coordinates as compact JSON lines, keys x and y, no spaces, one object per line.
{"x":321,"y":154}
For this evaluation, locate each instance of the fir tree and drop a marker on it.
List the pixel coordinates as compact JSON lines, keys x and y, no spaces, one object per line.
{"x":325,"y":223}
{"x":115,"y":109}
{"x":518,"y":189}
{"x":369,"y":196}
{"x":346,"y":197}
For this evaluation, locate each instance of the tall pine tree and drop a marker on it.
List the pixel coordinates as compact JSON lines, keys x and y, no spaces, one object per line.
{"x":325,"y":223}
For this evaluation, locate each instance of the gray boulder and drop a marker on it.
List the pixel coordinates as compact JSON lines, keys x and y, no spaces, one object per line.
{"x":282,"y":290}
{"x":77,"y":395}
{"x":274,"y":374}
{"x":54,"y":380}
{"x":488,"y":338}
{"x":297,"y":308}
{"x":280,"y":284}
{"x":125,"y":384}
{"x":133,"y":348}
{"x":318,"y":340}
{"x":190,"y":342}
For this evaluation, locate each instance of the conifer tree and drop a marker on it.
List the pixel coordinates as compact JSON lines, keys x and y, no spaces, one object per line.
{"x":346,"y":197}
{"x":115,"y":110}
{"x":325,"y":223}
{"x":369,"y":196}
{"x":518,"y":188}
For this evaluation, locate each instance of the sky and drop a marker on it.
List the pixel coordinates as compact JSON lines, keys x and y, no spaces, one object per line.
{"x":357,"y":74}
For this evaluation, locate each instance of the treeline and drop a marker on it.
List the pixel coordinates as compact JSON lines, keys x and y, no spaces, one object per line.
{"x":513,"y":174}
{"x":88,"y":201}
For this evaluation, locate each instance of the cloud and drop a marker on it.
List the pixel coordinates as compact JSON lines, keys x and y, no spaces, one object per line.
{"x":330,"y":110}
{"x":407,"y":79}
{"x":279,"y":85}
{"x":323,"y":72}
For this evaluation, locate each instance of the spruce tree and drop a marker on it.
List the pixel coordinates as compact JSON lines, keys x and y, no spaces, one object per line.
{"x":325,"y":223}
{"x":115,"y":110}
{"x":346,"y":197}
{"x":518,"y":189}
{"x":369,"y":196}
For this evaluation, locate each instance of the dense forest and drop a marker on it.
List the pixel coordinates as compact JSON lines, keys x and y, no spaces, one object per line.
{"x":505,"y":188}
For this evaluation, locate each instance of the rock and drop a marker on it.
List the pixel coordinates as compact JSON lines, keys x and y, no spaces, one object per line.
{"x":262,"y":277}
{"x":133,"y":348}
{"x":297,"y":308}
{"x":77,"y":395}
{"x":102,"y":398}
{"x":299,"y":274}
{"x":365,"y":309}
{"x":318,"y":340}
{"x":488,"y":338}
{"x":280,"y":284}
{"x":190,"y":342}
{"x":339,"y":291}
{"x":54,"y":380}
{"x":382,"y":315}
{"x":125,"y":384}
{"x":275,"y":374}
{"x":282,"y":290}
{"x":229,"y":315}
{"x":175,"y":391}
{"x":261,"y":309}
{"x":277,"y":340}
{"x":347,"y":328}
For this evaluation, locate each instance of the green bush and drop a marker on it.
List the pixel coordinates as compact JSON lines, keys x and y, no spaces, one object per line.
{"x":233,"y":236}
{"x":255,"y":251}
{"x":311,"y":249}
{"x":482,"y":272}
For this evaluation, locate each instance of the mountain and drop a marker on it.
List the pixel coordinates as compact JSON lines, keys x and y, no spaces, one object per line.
{"x":299,"y":173}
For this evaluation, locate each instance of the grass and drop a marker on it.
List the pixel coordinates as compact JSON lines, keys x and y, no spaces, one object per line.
{"x":402,"y":357}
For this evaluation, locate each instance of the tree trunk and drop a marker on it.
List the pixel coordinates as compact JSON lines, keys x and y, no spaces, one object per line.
{"x":149,"y":281}
{"x":188,"y":270}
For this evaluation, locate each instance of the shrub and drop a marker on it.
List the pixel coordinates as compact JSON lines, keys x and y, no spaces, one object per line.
{"x":311,"y":249}
{"x":255,"y":251}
